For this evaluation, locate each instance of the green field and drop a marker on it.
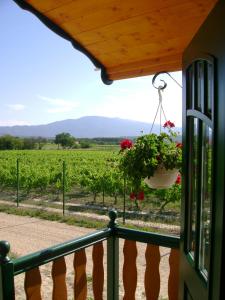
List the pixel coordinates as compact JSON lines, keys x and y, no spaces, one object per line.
{"x":89,"y":177}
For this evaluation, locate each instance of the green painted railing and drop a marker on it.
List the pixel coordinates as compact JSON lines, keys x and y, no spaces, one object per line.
{"x":28,"y":262}
{"x":148,"y":237}
{"x":10,"y":268}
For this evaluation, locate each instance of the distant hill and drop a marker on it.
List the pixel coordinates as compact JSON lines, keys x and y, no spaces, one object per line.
{"x":85,"y":127}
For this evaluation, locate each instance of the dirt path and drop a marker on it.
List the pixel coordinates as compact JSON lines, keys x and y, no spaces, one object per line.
{"x":27,"y":235}
{"x":164,"y":228}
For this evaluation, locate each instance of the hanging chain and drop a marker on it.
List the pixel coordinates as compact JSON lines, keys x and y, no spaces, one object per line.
{"x":159,"y":110}
{"x":160,"y":89}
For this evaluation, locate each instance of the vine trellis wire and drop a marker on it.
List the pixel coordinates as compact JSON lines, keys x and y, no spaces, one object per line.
{"x":160,"y":88}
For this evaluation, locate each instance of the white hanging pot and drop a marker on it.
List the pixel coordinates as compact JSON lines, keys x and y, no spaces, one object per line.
{"x":162,"y":178}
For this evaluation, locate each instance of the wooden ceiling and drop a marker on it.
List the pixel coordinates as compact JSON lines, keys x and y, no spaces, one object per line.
{"x":125,"y":38}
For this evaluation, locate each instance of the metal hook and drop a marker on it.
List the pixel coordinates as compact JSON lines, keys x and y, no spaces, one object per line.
{"x":162,"y":87}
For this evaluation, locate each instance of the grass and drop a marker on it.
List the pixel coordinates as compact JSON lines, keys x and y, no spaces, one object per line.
{"x":84,"y":199}
{"x":78,"y":195}
{"x":148,"y":210}
{"x":52,"y":216}
{"x":69,"y":220}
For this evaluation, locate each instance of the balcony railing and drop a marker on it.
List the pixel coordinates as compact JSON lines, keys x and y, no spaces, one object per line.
{"x":30,"y":264}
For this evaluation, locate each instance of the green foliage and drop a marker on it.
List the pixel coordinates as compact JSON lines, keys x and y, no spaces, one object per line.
{"x":171,"y":195}
{"x":8,"y":142}
{"x":148,"y":152}
{"x":29,"y":143}
{"x":42,"y":170}
{"x":41,"y":142}
{"x":64,"y":139}
{"x":101,"y":140}
{"x":92,"y":171}
{"x":51,"y":216}
{"x":85,"y":144}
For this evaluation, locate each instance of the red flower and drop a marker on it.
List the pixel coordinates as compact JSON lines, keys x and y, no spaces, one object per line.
{"x":178,"y":181}
{"x":168,"y":124}
{"x":132,"y":196}
{"x":179,"y":145}
{"x":126,"y":144}
{"x":141,"y":195}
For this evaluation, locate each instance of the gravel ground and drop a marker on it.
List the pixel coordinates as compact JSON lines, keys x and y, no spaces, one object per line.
{"x":27,"y":235}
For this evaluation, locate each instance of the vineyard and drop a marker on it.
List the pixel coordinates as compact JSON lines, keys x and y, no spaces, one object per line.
{"x":77,"y":176}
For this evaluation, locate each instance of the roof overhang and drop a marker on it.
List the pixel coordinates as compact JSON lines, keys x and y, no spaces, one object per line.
{"x":125,"y":38}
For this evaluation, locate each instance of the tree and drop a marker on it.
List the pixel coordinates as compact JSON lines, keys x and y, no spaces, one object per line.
{"x":64,"y":139}
{"x":7,"y":142}
{"x":41,"y":142}
{"x":29,"y":143}
{"x":85,"y":144}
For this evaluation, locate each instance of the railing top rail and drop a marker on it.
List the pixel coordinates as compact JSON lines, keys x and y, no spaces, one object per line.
{"x":148,"y":237}
{"x":30,"y":261}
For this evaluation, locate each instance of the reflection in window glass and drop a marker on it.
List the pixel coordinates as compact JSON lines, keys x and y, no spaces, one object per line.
{"x":193,"y":175}
{"x":206,"y":187}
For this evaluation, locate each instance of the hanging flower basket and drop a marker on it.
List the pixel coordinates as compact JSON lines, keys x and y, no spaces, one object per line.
{"x":156,"y":159}
{"x":162,"y":178}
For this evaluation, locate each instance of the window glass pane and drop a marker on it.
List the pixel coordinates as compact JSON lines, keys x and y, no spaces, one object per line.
{"x":200,"y":86}
{"x":210,"y":92}
{"x":190,"y":87}
{"x":193,"y":181}
{"x":193,"y":86}
{"x":206,"y":187}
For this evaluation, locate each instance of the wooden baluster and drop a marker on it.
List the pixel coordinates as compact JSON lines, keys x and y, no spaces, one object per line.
{"x":80,"y":281}
{"x":32,"y":284}
{"x":98,"y":271}
{"x":129,"y":270}
{"x":152,"y":276}
{"x":173,"y":281}
{"x":59,"y":279}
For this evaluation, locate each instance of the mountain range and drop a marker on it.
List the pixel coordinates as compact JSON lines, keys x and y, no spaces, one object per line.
{"x":85,"y":127}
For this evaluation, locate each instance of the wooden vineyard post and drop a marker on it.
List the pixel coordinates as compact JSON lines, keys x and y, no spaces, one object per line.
{"x":124,"y":201}
{"x":17,"y":182}
{"x":63,"y":185}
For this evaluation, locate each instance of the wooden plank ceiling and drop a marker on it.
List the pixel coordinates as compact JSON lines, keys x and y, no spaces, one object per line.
{"x":129,"y":38}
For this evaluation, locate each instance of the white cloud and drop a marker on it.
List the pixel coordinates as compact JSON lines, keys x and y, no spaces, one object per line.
{"x":16,"y":107}
{"x":59,"y":105}
{"x":14,"y":122}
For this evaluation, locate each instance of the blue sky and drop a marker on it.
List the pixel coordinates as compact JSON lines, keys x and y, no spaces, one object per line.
{"x":44,"y":79}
